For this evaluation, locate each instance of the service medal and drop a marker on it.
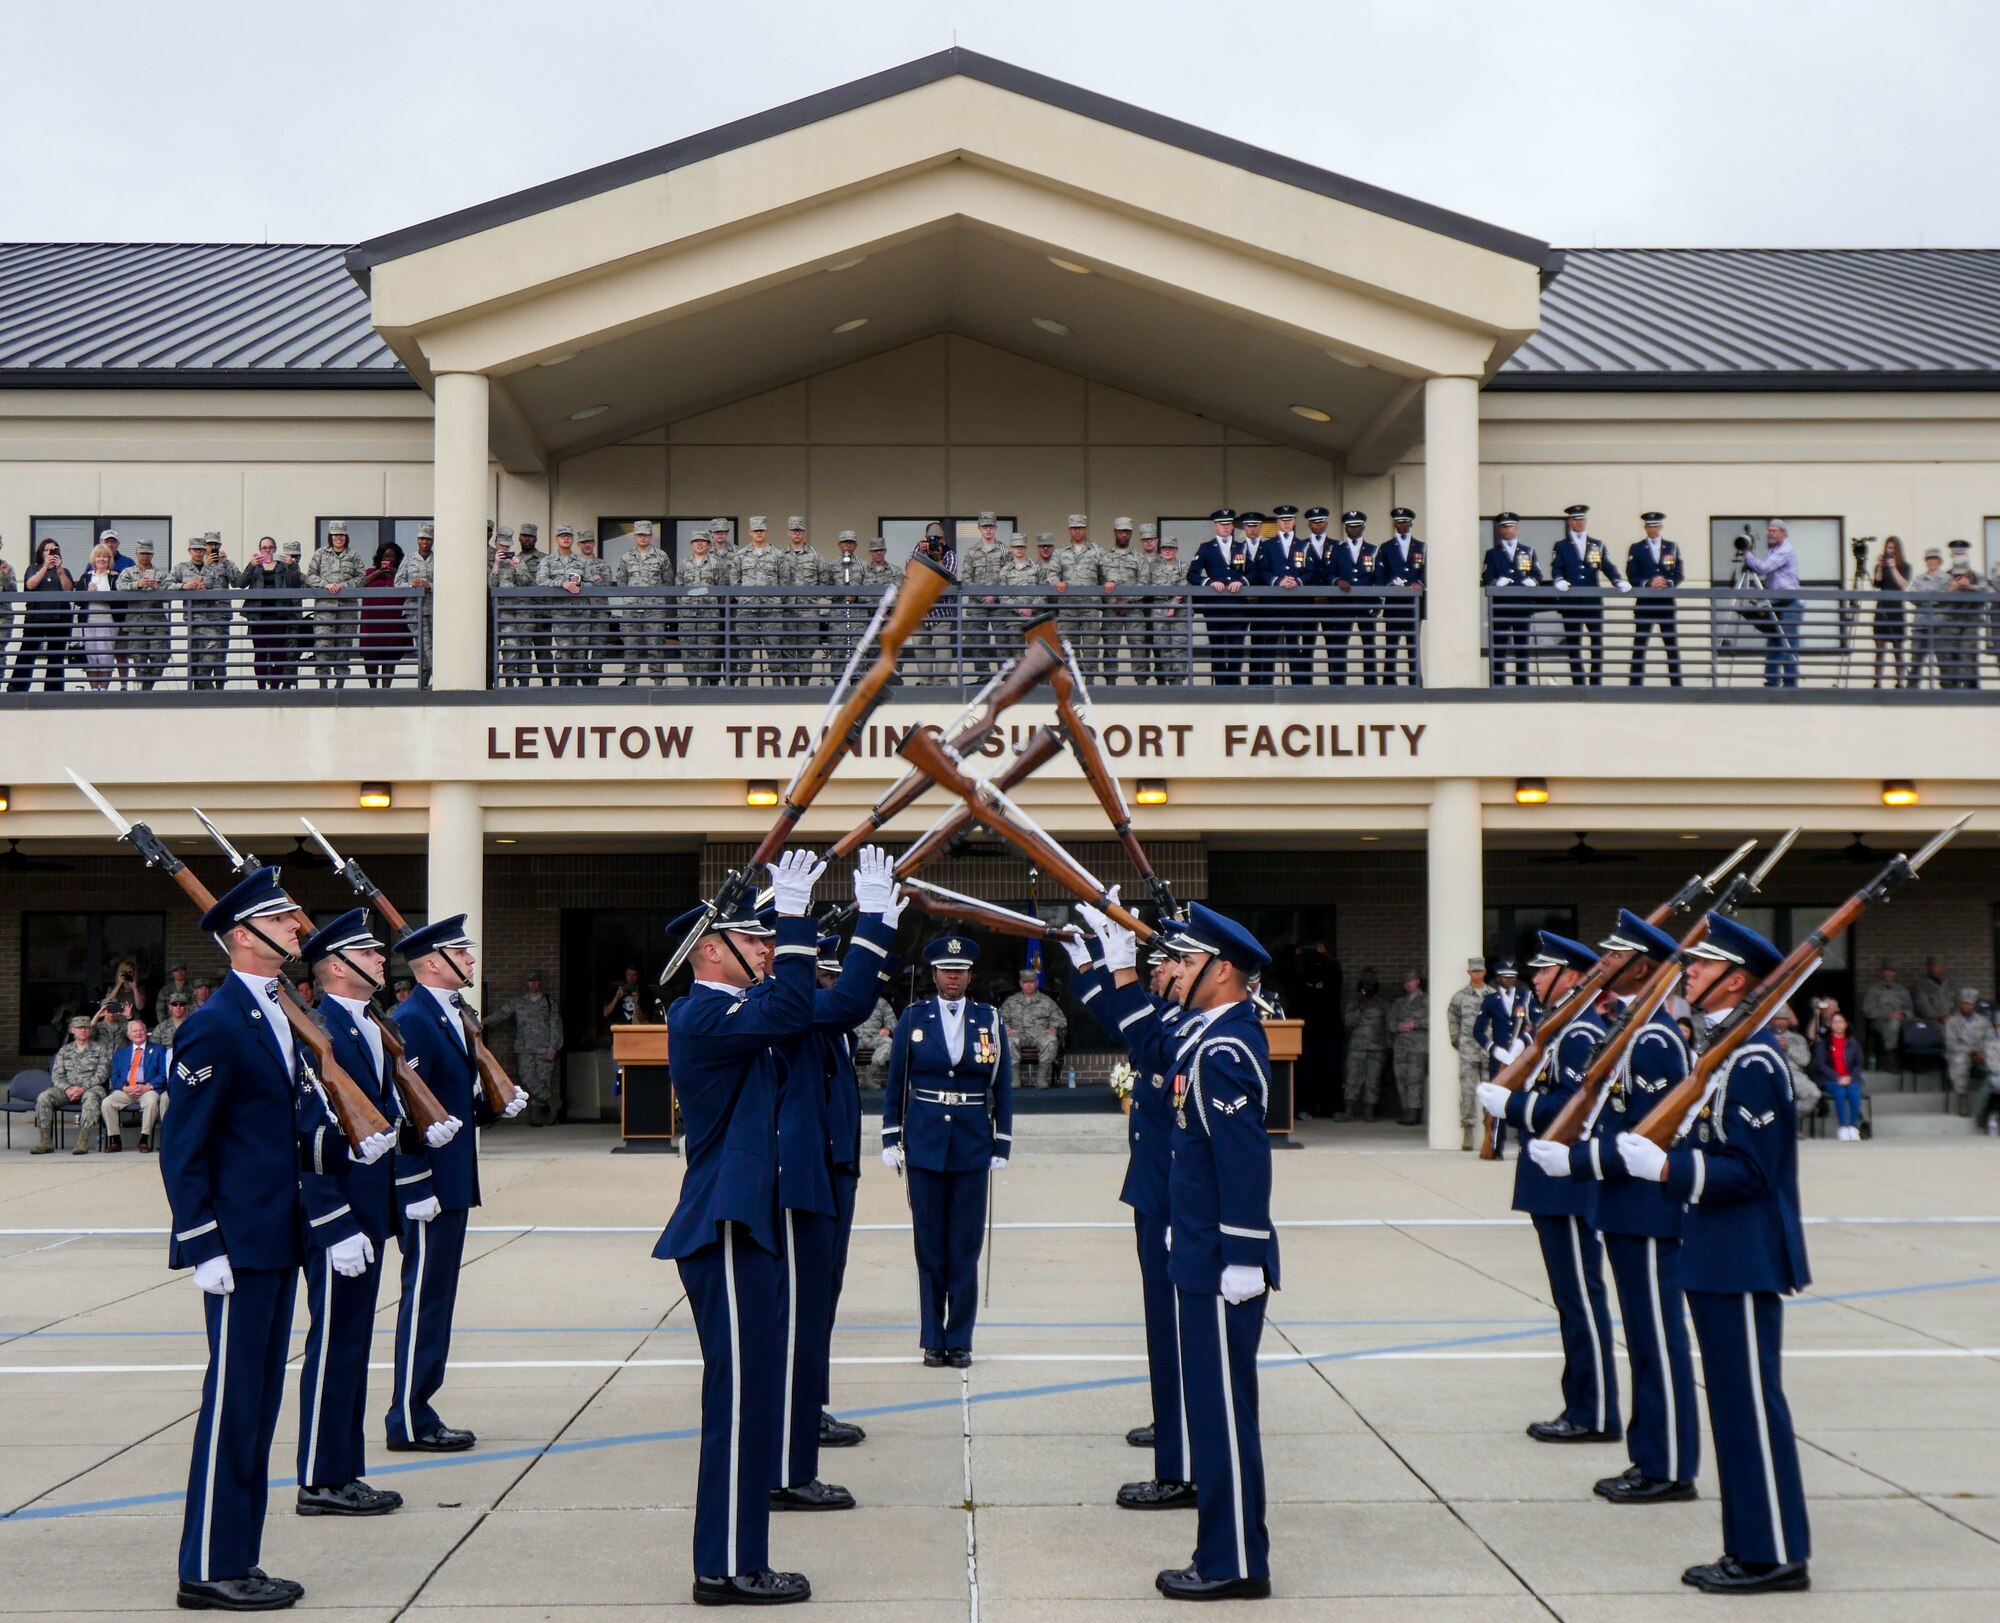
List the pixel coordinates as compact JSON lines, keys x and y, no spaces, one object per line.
{"x":1701,"y":1132}
{"x":985,"y":1055}
{"x":916,"y":1036}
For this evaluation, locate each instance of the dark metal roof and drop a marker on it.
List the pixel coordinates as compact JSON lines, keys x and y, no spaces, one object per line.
{"x":188,"y":315}
{"x":1754,"y":318}
{"x":946,"y":64}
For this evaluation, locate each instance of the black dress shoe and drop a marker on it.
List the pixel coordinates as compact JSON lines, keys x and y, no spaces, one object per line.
{"x":813,"y":1495}
{"x":1730,"y":1576}
{"x":250,"y":1593}
{"x":766,"y":1588}
{"x":839,"y":1433}
{"x":959,"y":1358}
{"x":1185,"y":1583}
{"x":1156,"y":1495}
{"x":442,"y":1441}
{"x":354,"y":1498}
{"x":1634,"y":1488}
{"x":1140,"y":1437}
{"x":282,"y":1583}
{"x":1568,"y":1431}
{"x":933,"y":1358}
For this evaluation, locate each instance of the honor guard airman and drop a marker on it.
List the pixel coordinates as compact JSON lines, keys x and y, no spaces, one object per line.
{"x":1220,"y":571}
{"x":1352,"y":617}
{"x":1580,"y":562}
{"x":947,"y":1126}
{"x":1284,"y":562}
{"x":1563,"y":1210}
{"x":1736,"y":1169}
{"x":431,"y":1236}
{"x":1510,"y":574}
{"x":1400,"y":564}
{"x":1642,"y":1237}
{"x":1654,"y":568}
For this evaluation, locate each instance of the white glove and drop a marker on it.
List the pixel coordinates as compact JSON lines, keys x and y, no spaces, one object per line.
{"x":1078,"y":949}
{"x":1562,"y":585}
{"x":1240,"y":1282}
{"x":874,"y":881}
{"x":793,"y":876}
{"x":997,"y":1163}
{"x":376,"y":1145}
{"x":1511,"y":1052}
{"x":350,"y":1257}
{"x":1492,"y":1099}
{"x":1643,"y":1158}
{"x":441,"y":1133}
{"x":515,"y":1105}
{"x":892,"y":1157}
{"x":1551,"y":1158}
{"x":214,"y":1277}
{"x":422,"y":1211}
{"x":1121,"y":946}
{"x":1624,"y":586}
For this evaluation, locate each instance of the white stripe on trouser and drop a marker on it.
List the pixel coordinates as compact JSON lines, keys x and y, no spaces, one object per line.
{"x":1589,"y":1317}
{"x":1763,"y":1425}
{"x":791,"y":1346}
{"x":214,"y":1427}
{"x":1235,"y":1459}
{"x":1180,"y":1386}
{"x":1666,"y":1364}
{"x":311,"y":1478}
{"x":410,"y":1352}
{"x":735,"y":1385}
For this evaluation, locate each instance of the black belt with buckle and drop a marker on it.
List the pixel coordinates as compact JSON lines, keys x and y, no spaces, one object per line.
{"x":932,"y":1097}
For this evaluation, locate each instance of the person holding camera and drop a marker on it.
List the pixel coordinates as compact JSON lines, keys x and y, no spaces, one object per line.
{"x":1778,"y":569}
{"x":45,"y":624}
{"x":1891,"y":574}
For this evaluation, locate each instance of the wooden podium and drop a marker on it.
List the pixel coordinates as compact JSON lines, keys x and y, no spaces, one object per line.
{"x":1286,"y":1039}
{"x":647,"y":1119}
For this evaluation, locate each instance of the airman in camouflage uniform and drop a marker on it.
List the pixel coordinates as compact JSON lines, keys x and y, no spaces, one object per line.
{"x":1969,"y":1034}
{"x":757,"y":632}
{"x":642,"y":621}
{"x":83,"y":1065}
{"x":597,"y":634}
{"x":985,"y":616}
{"x":1035,"y":1024}
{"x":188,"y":576}
{"x":538,"y":1036}
{"x":146,"y":631}
{"x":571,"y":635}
{"x":335,"y":572}
{"x":1367,"y":1020}
{"x":1045,"y":561}
{"x":178,"y":1005}
{"x":7,"y":584}
{"x":419,"y":570}
{"x":878,"y":573}
{"x":1410,"y":1042}
{"x":846,"y":617}
{"x":209,"y":618}
{"x":705,"y":575}
{"x":1017,"y":609}
{"x":1172,"y":647}
{"x":872,"y":1037}
{"x":1123,"y":623}
{"x":1079,"y":578}
{"x":552,"y":614}
{"x":1460,"y":1015}
{"x":801,"y":630}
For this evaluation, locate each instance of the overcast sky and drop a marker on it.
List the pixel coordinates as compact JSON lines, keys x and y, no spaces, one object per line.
{"x":1726,"y":122}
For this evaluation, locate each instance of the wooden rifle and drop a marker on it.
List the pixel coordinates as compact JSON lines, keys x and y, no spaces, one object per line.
{"x":1613,"y":1046}
{"x":500,"y":1088}
{"x":352,"y":1108}
{"x":1518,"y":1072}
{"x":1073,"y":710}
{"x":955,"y":908}
{"x":419,"y":1102}
{"x":1664,"y":1123}
{"x":897,"y":618}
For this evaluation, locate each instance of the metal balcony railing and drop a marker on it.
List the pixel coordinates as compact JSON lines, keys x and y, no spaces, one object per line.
{"x":213,"y":639}
{"x":1733,"y":637}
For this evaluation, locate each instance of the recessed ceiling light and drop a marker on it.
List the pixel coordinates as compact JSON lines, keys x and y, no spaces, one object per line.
{"x":846,"y":264}
{"x":1370,"y":839}
{"x":588,"y":411}
{"x":503,"y":839}
{"x":1069,"y":265}
{"x":557,"y":360}
{"x":1050,"y":324}
{"x":1690,"y":836}
{"x":852,"y":326}
{"x":1346,"y":357}
{"x":1312,"y":414}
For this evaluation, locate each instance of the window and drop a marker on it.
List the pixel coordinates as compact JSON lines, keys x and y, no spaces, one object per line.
{"x":1540,"y":533}
{"x":1511,"y":931}
{"x":69,"y":960}
{"x":1817,"y":541}
{"x":1786,"y":927}
{"x":671,"y":535}
{"x":1187,"y":533}
{"x":78,"y":535}
{"x":364,"y":535}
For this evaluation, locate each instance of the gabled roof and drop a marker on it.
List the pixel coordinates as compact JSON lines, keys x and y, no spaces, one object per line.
{"x":197,"y":315}
{"x":925,"y":70}
{"x":1750,"y":318}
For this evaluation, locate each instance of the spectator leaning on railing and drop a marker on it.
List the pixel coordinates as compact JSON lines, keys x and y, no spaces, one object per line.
{"x":7,"y":584}
{"x":147,"y":627}
{"x":1837,"y":1069}
{"x":419,"y":572}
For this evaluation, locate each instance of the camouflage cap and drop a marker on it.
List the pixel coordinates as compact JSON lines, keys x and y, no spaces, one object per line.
{"x":337,"y":526}
{"x":427,"y":532}
{"x":795,"y":522}
{"x":849,"y":535}
{"x":1146,"y":532}
{"x":1078,"y":521}
{"x":1121,"y":524}
{"x":565,"y":529}
{"x":643,"y":527}
{"x":529,"y":532}
{"x":759,"y":522}
{"x":988,"y":518}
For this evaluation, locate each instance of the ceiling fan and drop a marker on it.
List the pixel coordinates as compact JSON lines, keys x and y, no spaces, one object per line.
{"x":1584,"y":853}
{"x":15,"y":860}
{"x":1857,"y":851}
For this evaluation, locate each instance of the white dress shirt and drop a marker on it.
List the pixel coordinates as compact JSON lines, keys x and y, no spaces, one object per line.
{"x":264,"y":993}
{"x":450,"y":1013}
{"x":951,"y":1016}
{"x":371,"y":1037}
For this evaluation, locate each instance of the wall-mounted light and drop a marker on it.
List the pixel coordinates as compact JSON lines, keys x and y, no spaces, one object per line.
{"x":1152,"y":791}
{"x":6,"y":797}
{"x":377,"y":797}
{"x":1531,"y":791}
{"x":760,"y":792}
{"x":1898,"y":792}
{"x":505,"y":839}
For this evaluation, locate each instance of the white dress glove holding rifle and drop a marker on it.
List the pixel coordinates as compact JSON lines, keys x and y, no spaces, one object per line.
{"x":441,"y":1133}
{"x":1644,"y":1159}
{"x":1493,"y":1100}
{"x":875,"y":885}
{"x":515,"y":1105}
{"x":793,"y":876}
{"x":372,"y":1148}
{"x":1551,"y":1158}
{"x":1121,"y":946}
{"x":1078,"y":949}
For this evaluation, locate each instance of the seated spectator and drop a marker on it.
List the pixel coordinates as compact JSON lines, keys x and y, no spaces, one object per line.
{"x":1035,"y":1025}
{"x":1837,"y":1068}
{"x":1798,"y":1051}
{"x":1971,"y":1053}
{"x":76,"y":1077}
{"x":138,"y":1081}
{"x":402,"y":986}
{"x":1885,"y":1007}
{"x":871,"y":1044}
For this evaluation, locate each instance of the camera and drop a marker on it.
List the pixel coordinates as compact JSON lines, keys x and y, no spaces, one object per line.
{"x":1741,"y":543}
{"x":1860,"y":549}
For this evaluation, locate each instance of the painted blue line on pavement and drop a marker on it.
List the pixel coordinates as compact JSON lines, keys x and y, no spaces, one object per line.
{"x":1816,"y":1298}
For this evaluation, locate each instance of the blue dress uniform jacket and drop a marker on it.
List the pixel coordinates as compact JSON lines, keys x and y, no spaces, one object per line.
{"x":445,"y":1063}
{"x":1644,"y":562}
{"x":374,"y":1191}
{"x":1516,"y":564}
{"x":1213,"y":563}
{"x":1532,"y":1108}
{"x":1497,"y":1026}
{"x":947,"y":1137}
{"x":1571,"y":561}
{"x":1221,"y":1181}
{"x":1657,"y":1060}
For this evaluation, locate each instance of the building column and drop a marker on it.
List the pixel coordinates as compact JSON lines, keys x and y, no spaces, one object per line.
{"x":1457,"y":905}
{"x":1451,"y":525}
{"x":459,"y":495}
{"x":457,"y":876}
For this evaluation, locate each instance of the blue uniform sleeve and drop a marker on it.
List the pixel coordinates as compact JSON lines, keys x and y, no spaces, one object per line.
{"x":1197,"y":572}
{"x":780,"y":1006}
{"x":898,"y":1079}
{"x":323,"y":1164}
{"x":843,"y":1005}
{"x":1532,"y":1111}
{"x":1740,"y":1163}
{"x":1003,"y":1093}
{"x":1229,"y":1092}
{"x":1129,"y":1015}
{"x":197,"y":1095}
